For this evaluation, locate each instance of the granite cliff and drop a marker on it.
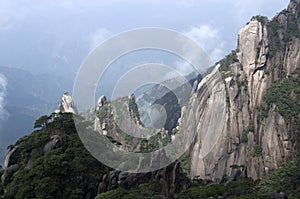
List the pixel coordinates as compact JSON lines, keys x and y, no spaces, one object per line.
{"x":245,"y":115}
{"x":247,"y":109}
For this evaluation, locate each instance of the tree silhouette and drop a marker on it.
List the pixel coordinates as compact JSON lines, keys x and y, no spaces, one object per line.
{"x":42,"y":122}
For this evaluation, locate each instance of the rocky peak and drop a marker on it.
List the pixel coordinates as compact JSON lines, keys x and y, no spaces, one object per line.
{"x":294,"y":7}
{"x":101,"y":102}
{"x":66,"y":105}
{"x":233,"y":125}
{"x":252,"y":46}
{"x":133,"y":109}
{"x":252,"y":52}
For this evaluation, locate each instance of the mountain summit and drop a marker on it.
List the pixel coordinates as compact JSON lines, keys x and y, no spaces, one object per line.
{"x":66,"y":105}
{"x":245,"y":115}
{"x":251,"y":117}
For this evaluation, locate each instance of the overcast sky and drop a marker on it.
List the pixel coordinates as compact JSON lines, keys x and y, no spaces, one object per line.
{"x":56,"y":36}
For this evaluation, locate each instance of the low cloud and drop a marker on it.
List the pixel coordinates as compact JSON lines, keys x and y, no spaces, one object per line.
{"x":183,"y":68}
{"x":98,"y":37}
{"x":209,"y":39}
{"x":3,"y":84}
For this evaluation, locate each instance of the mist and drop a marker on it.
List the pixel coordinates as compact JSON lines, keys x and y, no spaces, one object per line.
{"x":3,"y":84}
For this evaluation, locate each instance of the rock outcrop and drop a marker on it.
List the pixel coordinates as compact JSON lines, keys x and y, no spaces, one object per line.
{"x":228,"y":106}
{"x":11,"y":156}
{"x":171,"y":179}
{"x":101,"y":102}
{"x":66,"y":105}
{"x":56,"y":155}
{"x":55,"y":142}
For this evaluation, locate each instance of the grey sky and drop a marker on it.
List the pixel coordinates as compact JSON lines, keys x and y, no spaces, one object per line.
{"x":55,"y":36}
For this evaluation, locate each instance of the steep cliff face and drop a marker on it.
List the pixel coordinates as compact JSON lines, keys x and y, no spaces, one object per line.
{"x":66,"y":105}
{"x":235,"y":124}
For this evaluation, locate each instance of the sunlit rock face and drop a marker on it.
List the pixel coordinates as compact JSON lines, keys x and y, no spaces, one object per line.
{"x":101,"y":102}
{"x":66,"y":105}
{"x":226,"y":110}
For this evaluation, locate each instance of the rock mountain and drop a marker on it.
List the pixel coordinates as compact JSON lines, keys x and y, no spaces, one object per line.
{"x":248,"y":115}
{"x":245,"y":116}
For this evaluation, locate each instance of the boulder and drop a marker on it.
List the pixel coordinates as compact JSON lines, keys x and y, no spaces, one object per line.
{"x":55,"y":142}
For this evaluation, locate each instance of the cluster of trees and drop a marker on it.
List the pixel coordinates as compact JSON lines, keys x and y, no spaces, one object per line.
{"x":68,"y":171}
{"x":286,"y":180}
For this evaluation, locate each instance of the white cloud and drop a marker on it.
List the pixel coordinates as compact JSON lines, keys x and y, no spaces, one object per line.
{"x":184,"y":68}
{"x":242,"y":11}
{"x":209,"y":39}
{"x":181,"y":68}
{"x":98,"y":37}
{"x":12,"y":14}
{"x":3,"y":83}
{"x":185,"y":3}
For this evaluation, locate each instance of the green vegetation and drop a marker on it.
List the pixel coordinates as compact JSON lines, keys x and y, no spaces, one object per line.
{"x":244,"y":138}
{"x":266,"y":72}
{"x":275,"y":43}
{"x":256,"y":151}
{"x":225,"y":71}
{"x":104,"y":112}
{"x":231,"y":82}
{"x":241,"y":187}
{"x":286,"y":179}
{"x":250,"y":128}
{"x":291,"y":31}
{"x":133,"y":109}
{"x":33,"y":148}
{"x":227,"y":74}
{"x":262,"y":111}
{"x":42,"y":121}
{"x":234,"y":166}
{"x":227,"y":61}
{"x":68,"y":171}
{"x":203,"y":192}
{"x":262,"y":19}
{"x":150,"y":190}
{"x":285,"y":95}
{"x":154,"y":143}
{"x":118,"y":193}
{"x":185,"y":162}
{"x":227,"y":97}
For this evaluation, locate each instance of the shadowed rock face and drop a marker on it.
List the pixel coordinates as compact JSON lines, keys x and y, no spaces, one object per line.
{"x":171,"y":179}
{"x":227,"y":107}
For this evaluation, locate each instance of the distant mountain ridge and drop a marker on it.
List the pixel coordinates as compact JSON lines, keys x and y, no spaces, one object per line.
{"x":28,"y":96}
